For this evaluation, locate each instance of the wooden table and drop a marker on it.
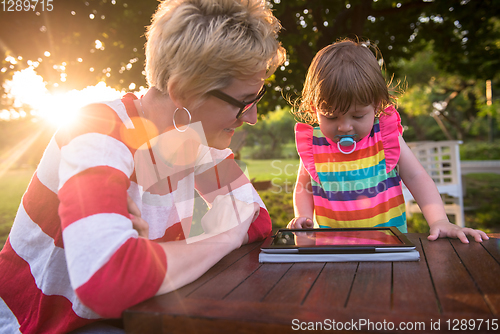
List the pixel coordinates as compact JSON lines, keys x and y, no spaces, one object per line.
{"x":453,"y":286}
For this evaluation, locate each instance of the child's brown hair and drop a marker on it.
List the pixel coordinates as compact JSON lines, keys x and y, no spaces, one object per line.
{"x":341,"y":74}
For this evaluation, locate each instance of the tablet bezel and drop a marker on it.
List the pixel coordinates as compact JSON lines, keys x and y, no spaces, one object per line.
{"x":406,"y":244}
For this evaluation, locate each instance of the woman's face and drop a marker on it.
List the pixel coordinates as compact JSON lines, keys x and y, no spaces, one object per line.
{"x":218,"y":117}
{"x":358,"y":120}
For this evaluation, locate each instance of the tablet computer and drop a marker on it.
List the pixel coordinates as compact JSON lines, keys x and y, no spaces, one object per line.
{"x":338,"y":240}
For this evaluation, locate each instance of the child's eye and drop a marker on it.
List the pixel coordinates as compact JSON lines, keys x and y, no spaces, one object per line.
{"x":358,"y":117}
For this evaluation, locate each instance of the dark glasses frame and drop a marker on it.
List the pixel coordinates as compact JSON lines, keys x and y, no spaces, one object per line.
{"x":243,"y":105}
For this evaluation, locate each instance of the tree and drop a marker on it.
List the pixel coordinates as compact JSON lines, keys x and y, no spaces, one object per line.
{"x":107,"y":36}
{"x":456,"y":103}
{"x":465,"y":33}
{"x":78,"y":43}
{"x":267,"y":137}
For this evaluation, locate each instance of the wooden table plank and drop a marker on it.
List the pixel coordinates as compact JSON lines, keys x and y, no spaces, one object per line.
{"x":256,"y":287}
{"x":179,"y":295}
{"x":142,"y":322}
{"x":294,"y":286}
{"x":213,"y":316}
{"x":484,"y":270}
{"x":218,"y":268}
{"x":373,"y":282}
{"x":239,"y":295}
{"x":222,"y":316}
{"x":333,"y":285}
{"x":457,"y":292}
{"x":189,"y":325}
{"x":493,"y":246}
{"x":230,"y":278}
{"x":412,"y":286}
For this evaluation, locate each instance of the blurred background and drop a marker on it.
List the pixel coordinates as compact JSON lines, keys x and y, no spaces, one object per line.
{"x":443,"y":56}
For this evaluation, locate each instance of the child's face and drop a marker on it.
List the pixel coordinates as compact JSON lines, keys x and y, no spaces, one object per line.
{"x":358,"y":120}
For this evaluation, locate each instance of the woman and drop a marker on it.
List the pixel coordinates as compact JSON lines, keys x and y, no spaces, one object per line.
{"x":129,"y":171}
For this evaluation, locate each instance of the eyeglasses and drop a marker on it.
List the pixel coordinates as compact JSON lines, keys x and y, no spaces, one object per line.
{"x":243,"y":105}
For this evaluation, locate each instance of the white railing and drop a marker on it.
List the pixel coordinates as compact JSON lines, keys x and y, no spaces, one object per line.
{"x":441,"y":160}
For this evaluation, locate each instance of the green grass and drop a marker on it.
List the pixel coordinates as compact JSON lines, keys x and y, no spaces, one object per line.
{"x":13,"y":184}
{"x":276,"y":170}
{"x":279,"y":198}
{"x":279,"y":203}
{"x":481,"y":196}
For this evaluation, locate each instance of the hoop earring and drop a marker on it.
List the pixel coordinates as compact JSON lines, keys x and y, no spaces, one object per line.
{"x":189,"y":122}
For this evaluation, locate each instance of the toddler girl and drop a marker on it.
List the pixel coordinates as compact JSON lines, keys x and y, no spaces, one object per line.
{"x":352,"y":164}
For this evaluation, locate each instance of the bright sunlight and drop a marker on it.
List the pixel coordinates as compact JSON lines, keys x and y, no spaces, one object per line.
{"x":27,"y":88}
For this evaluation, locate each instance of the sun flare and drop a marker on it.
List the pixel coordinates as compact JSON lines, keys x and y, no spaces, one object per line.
{"x":27,"y":88}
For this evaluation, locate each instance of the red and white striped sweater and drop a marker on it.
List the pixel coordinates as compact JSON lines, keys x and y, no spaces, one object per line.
{"x":72,"y":255}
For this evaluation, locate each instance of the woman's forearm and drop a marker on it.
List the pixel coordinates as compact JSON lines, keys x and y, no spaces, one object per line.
{"x":188,"y":261}
{"x":226,"y":227}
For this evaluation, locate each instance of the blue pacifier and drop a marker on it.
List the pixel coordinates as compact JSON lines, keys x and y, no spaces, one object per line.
{"x":345,"y":141}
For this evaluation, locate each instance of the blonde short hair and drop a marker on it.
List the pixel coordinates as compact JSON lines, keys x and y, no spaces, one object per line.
{"x":201,"y":45}
{"x":341,"y":74}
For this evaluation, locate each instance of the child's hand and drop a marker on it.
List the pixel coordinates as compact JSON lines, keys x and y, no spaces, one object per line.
{"x":300,"y":222}
{"x":445,"y":229}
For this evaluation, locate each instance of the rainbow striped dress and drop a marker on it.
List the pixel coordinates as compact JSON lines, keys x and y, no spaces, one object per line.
{"x":361,"y":189}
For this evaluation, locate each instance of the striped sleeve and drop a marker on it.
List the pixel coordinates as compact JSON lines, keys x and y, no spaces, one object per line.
{"x":110,"y":267}
{"x":221,"y":175}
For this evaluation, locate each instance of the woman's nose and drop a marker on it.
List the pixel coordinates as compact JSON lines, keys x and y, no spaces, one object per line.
{"x":250,"y":116}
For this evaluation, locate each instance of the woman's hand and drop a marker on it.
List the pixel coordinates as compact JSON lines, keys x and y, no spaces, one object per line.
{"x":139,"y":224}
{"x":230,"y":215}
{"x":445,"y":229}
{"x":300,"y":222}
{"x":226,"y":229}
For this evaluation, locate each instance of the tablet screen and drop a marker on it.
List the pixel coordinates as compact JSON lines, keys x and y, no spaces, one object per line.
{"x":337,"y":238}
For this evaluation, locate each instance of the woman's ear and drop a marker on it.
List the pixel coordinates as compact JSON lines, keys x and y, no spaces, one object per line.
{"x":180,"y":98}
{"x":175,"y":96}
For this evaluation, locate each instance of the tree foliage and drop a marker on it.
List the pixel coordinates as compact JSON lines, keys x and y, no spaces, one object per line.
{"x":456,"y":103}
{"x":87,"y":41}
{"x":94,"y":40}
{"x":267,"y":137}
{"x":464,"y":34}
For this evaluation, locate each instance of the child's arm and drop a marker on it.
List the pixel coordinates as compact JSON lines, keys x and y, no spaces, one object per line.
{"x":424,"y":191}
{"x":303,"y":204}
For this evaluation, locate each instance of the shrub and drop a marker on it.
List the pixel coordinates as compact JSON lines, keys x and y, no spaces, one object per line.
{"x":280,"y":206}
{"x":267,"y":138}
{"x":480,"y":150}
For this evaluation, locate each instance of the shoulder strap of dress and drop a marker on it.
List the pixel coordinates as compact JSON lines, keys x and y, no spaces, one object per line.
{"x":390,"y":129}
{"x":304,"y":143}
